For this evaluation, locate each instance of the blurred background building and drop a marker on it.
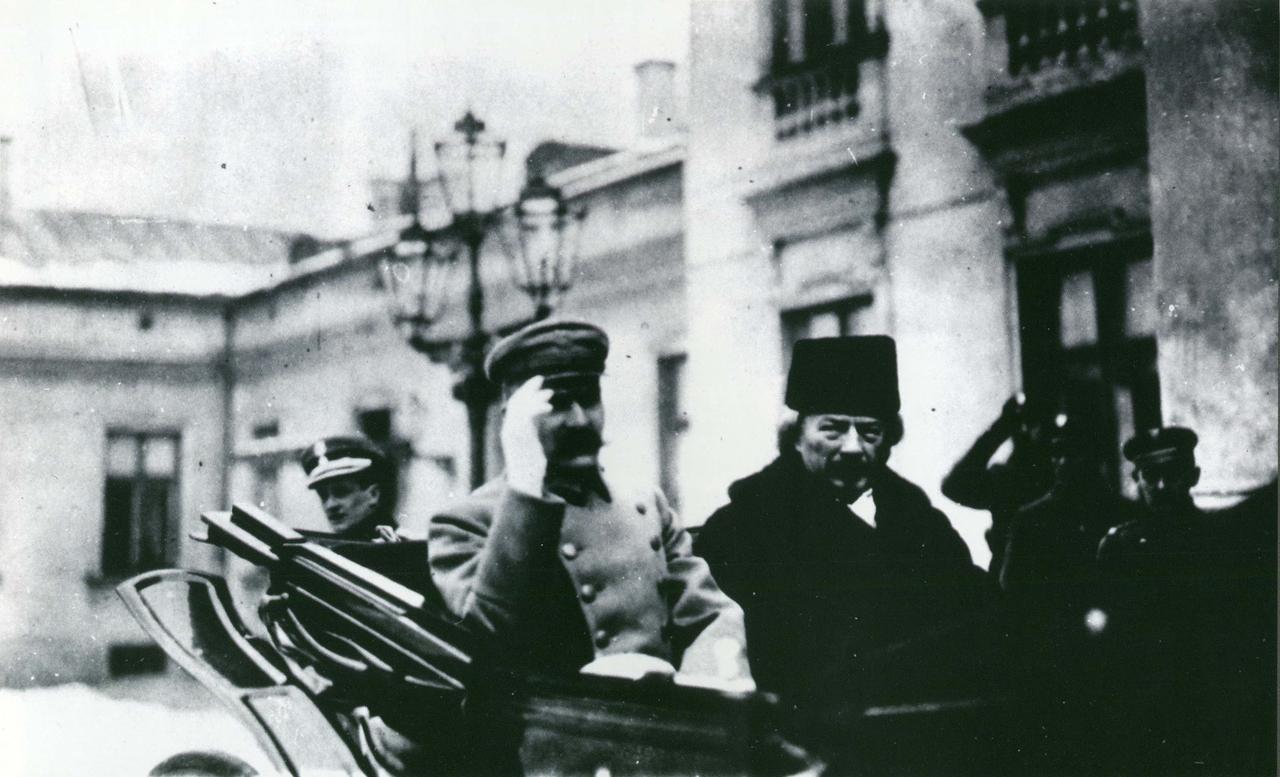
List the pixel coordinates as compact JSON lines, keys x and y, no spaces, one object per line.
{"x":1073,"y":199}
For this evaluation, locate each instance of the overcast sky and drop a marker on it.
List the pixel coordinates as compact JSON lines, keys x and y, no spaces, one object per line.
{"x":277,"y":113}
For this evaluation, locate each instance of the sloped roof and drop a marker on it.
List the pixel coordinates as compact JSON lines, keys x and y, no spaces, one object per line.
{"x":70,"y":249}
{"x":645,"y":157}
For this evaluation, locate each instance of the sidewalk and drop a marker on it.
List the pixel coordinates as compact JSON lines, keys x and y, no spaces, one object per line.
{"x":122,"y":728}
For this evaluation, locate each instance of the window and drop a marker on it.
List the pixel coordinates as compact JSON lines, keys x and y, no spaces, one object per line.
{"x":834,"y":319}
{"x":1088,"y":341}
{"x":673,"y":421}
{"x":378,"y":424}
{"x":125,"y":660}
{"x":817,"y":48}
{"x":140,"y":503}
{"x":808,"y":31}
{"x":266,"y":430}
{"x":375,"y":423}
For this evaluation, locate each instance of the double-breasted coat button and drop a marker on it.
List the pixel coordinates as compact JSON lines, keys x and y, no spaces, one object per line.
{"x":655,"y":542}
{"x":588,"y":593}
{"x":602,"y":638}
{"x":569,"y":550}
{"x":641,"y":508}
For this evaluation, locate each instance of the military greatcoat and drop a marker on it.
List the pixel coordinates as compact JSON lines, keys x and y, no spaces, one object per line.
{"x":551,"y":585}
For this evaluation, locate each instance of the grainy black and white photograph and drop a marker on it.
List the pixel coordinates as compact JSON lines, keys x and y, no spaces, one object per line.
{"x":648,"y":387}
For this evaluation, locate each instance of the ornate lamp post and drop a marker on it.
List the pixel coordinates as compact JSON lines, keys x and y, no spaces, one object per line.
{"x":545,"y":245}
{"x":541,"y":254}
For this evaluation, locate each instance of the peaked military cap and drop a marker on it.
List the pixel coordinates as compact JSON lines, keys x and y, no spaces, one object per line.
{"x":335,"y":457}
{"x":1160,"y":444}
{"x":855,"y":375}
{"x":552,"y":348}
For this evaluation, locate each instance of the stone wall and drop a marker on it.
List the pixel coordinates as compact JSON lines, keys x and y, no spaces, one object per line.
{"x":1214,"y":125}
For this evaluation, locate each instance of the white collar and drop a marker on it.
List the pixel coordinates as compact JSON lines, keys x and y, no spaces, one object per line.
{"x":864,"y":508}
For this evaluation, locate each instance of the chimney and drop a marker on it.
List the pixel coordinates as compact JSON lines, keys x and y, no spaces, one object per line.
{"x":656,"y":98}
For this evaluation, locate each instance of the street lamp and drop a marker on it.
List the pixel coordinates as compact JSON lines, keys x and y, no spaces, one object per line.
{"x":545,"y":244}
{"x":417,"y":275}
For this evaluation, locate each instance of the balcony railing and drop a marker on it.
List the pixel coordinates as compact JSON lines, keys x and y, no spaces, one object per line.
{"x":1052,"y":33}
{"x":822,"y":90}
{"x":812,"y":98}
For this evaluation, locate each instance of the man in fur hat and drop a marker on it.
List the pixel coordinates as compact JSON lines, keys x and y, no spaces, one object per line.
{"x":833,"y":556}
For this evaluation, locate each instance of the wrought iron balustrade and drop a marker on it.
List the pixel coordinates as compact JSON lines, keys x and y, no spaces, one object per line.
{"x":813,"y":97}
{"x":1051,"y":33}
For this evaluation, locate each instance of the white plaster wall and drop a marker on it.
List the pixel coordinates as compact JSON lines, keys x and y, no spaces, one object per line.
{"x":943,"y":295}
{"x":56,"y":621}
{"x":734,"y":364}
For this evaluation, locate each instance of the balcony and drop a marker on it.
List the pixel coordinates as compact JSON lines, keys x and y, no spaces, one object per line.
{"x":822,"y":92}
{"x":1038,"y":48}
{"x":1065,"y":84}
{"x":813,"y":98}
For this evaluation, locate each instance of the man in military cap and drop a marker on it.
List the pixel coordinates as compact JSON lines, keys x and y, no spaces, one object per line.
{"x":1052,"y":542}
{"x":831,"y":553}
{"x":556,"y":565}
{"x":351,"y":477}
{"x":1004,"y":487}
{"x":1164,"y":467}
{"x":1179,"y":643}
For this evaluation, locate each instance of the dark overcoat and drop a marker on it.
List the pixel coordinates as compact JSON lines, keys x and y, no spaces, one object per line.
{"x":821,"y":589}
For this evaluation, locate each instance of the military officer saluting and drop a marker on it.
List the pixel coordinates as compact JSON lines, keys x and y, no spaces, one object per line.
{"x":351,"y":475}
{"x":556,"y":565}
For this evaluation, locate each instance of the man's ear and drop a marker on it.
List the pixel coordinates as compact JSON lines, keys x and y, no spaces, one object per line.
{"x":790,"y":432}
{"x":894,"y":430}
{"x":375,"y":491}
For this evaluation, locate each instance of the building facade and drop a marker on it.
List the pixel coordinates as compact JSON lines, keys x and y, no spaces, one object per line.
{"x":159,"y":371}
{"x":1007,"y":189}
{"x":1079,"y":205}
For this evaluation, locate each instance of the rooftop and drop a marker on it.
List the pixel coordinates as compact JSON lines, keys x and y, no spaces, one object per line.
{"x":71,"y":249}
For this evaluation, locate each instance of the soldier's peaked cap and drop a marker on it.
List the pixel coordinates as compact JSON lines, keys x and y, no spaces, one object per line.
{"x":335,"y":457}
{"x":551,"y":348}
{"x":855,"y":375}
{"x":1160,"y":444}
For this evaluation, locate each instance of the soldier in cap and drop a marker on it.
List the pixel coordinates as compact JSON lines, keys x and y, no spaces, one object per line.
{"x":1003,"y":487}
{"x":557,"y":565}
{"x":831,"y":553}
{"x":1175,"y":592}
{"x":1052,"y":542}
{"x":351,"y":475}
{"x":1164,"y":467}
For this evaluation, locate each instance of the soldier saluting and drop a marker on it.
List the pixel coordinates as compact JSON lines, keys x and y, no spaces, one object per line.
{"x":555,"y":565}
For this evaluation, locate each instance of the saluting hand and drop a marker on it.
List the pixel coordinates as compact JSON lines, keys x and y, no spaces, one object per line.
{"x":521,"y":447}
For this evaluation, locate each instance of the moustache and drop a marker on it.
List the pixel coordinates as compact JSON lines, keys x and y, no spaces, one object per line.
{"x":578,"y":442}
{"x":846,"y":468}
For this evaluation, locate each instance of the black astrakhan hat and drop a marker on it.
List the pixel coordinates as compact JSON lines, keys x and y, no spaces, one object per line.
{"x":335,"y":457}
{"x":1160,"y":444}
{"x":552,"y":348}
{"x":848,"y":375}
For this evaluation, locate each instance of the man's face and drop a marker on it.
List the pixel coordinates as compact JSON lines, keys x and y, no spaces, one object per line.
{"x":571,"y":433}
{"x":846,"y":450}
{"x":1166,"y":485}
{"x":347,"y":502}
